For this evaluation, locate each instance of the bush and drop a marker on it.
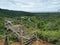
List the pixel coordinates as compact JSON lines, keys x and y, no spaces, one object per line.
{"x":49,"y":36}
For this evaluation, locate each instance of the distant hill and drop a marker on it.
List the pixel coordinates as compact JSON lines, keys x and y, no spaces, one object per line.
{"x":11,"y":13}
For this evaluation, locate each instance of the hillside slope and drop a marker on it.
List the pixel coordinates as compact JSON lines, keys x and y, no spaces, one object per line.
{"x":11,"y":13}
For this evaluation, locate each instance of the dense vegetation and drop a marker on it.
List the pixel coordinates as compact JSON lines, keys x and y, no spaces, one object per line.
{"x":46,"y":24}
{"x":10,"y":13}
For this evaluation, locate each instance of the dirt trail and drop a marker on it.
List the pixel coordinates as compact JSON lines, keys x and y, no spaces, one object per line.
{"x":40,"y":42}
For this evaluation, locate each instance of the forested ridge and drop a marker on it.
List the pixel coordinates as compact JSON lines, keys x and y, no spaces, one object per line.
{"x":48,"y":24}
{"x":11,"y":13}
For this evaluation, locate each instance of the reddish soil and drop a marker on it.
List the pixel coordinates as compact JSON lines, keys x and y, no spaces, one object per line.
{"x":16,"y":43}
{"x":1,"y":42}
{"x":40,"y":42}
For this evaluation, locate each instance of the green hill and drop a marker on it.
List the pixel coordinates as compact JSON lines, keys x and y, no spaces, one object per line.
{"x":48,"y":24}
{"x":11,"y":13}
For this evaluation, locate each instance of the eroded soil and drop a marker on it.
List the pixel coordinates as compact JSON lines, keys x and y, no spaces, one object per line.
{"x":39,"y":42}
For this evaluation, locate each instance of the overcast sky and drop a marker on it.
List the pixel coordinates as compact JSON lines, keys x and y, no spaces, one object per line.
{"x":31,"y":5}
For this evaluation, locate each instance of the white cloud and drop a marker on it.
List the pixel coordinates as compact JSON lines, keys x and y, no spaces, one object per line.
{"x":31,"y":5}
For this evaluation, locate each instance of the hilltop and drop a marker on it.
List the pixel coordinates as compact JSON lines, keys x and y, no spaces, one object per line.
{"x":11,"y":13}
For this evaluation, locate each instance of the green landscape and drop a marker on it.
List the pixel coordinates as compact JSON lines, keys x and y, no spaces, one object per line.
{"x":47,"y":24}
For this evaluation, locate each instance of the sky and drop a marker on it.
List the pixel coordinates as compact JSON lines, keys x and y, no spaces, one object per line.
{"x":31,"y":5}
